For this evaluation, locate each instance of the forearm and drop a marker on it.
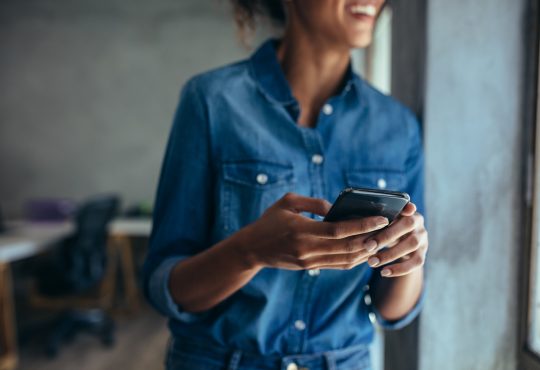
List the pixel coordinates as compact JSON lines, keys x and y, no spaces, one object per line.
{"x":395,"y":297}
{"x":206,"y":279}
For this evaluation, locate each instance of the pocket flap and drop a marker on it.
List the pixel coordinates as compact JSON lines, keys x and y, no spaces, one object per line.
{"x":258,"y":174}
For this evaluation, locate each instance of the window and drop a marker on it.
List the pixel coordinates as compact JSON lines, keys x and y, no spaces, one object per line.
{"x":529,"y":355}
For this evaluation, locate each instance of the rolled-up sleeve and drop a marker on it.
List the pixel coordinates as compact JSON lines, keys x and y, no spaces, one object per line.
{"x":415,"y":188}
{"x":403,"y":321}
{"x":182,"y":211}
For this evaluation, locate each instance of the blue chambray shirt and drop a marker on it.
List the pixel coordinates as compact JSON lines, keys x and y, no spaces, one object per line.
{"x":235,"y":148}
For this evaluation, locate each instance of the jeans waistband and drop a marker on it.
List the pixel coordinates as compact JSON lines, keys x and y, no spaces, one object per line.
{"x":183,"y":351}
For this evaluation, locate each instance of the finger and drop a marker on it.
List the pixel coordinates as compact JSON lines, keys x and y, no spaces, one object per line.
{"x":341,"y":261}
{"x":314,"y":247}
{"x":299,"y":203}
{"x":402,"y":226}
{"x":344,"y":229}
{"x":415,"y":262}
{"x":409,"y":209}
{"x":397,"y":241}
{"x":408,"y":245}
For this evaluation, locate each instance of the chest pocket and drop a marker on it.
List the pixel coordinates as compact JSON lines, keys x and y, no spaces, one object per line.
{"x":249,"y":188}
{"x":377,"y":179}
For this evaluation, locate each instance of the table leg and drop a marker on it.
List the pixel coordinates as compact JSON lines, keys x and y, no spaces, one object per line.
{"x":125,"y":249}
{"x":8,"y":338}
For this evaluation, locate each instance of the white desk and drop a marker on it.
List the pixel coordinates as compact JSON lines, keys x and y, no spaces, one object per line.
{"x":20,"y":241}
{"x":131,"y":227}
{"x":24,"y":239}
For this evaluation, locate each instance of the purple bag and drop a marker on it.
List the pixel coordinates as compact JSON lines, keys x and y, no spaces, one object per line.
{"x":49,"y":209}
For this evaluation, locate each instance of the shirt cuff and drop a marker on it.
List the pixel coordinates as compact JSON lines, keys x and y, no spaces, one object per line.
{"x":160,"y":295}
{"x":405,"y":320}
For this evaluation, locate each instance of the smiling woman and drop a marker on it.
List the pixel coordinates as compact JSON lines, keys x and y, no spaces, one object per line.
{"x":239,"y":260}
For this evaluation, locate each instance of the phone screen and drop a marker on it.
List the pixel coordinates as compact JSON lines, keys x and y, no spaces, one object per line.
{"x":353,"y":203}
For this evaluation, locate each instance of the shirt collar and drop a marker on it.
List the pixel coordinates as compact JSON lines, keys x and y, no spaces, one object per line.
{"x":271,"y":80}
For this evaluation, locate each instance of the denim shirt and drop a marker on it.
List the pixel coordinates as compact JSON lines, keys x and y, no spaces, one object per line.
{"x":235,"y":148}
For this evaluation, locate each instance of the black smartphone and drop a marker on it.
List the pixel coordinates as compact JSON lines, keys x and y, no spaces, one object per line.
{"x":355,"y":203}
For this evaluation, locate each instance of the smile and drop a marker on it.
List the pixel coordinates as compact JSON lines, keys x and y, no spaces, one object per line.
{"x":367,"y":10}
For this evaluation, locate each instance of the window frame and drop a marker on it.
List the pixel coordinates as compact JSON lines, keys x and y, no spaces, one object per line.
{"x":527,"y":358}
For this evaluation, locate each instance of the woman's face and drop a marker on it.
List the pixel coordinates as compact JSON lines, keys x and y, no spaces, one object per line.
{"x":347,"y":23}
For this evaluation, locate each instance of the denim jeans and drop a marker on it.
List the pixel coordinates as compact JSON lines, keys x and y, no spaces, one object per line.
{"x":184,"y":354}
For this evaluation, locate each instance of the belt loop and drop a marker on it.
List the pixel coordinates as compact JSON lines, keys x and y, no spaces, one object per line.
{"x":330,"y":361}
{"x":235,"y":360}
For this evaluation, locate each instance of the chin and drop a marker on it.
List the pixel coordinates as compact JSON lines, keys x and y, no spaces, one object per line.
{"x":360,"y":41}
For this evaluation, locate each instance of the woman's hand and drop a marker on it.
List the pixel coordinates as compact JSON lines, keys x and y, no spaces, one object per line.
{"x":407,"y":242}
{"x":284,"y":238}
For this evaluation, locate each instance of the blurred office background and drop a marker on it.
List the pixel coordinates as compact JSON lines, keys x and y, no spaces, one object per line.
{"x":88,"y":90}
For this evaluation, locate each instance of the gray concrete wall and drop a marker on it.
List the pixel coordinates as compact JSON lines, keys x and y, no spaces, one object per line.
{"x":472,"y":128}
{"x":88,"y":90}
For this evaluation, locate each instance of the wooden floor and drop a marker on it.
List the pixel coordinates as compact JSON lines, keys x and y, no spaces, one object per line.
{"x":140,"y":344}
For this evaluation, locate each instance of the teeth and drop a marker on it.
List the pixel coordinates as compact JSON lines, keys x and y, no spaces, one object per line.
{"x":370,"y":10}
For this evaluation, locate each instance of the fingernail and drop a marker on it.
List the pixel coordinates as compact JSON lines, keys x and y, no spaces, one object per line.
{"x":386,"y":272}
{"x":370,"y":245}
{"x":373,"y":261}
{"x":382,"y":221}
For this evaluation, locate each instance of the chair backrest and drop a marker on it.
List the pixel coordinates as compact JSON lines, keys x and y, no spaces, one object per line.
{"x":86,"y":253}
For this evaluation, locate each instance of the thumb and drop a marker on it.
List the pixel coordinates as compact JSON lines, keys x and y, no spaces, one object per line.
{"x":299,"y":203}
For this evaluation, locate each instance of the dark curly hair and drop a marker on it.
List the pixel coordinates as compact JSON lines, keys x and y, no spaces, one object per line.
{"x":246,"y":13}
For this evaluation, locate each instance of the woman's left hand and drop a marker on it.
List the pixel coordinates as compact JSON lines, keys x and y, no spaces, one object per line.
{"x":406,"y":240}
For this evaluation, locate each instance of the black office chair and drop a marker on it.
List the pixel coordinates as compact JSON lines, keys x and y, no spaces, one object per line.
{"x":81,"y":267}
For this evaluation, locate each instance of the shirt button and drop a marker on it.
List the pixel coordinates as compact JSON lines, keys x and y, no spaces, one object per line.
{"x":299,"y":325}
{"x":314,"y":272}
{"x":262,"y":178}
{"x":367,"y":299}
{"x":327,"y":109}
{"x":317,"y":159}
{"x":292,"y":366}
{"x":381,"y":183}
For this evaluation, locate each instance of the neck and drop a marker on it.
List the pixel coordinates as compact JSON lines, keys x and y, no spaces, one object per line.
{"x":315,"y":71}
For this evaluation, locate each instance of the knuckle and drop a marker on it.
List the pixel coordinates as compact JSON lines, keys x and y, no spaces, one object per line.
{"x":304,"y":264}
{"x":298,"y":252}
{"x":409,"y":222}
{"x":349,"y":246}
{"x":334,"y":230}
{"x":418,"y":260}
{"x":288,"y":198}
{"x":358,"y":259}
{"x":368,"y":223}
{"x":415,"y":240}
{"x":349,"y":258}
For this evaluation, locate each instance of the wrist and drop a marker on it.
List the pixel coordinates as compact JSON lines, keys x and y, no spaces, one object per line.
{"x":241,"y":246}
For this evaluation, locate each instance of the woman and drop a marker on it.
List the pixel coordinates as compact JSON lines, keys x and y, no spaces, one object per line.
{"x":239,"y":260}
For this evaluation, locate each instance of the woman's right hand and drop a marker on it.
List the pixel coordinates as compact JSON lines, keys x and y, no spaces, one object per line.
{"x":283,"y":238}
